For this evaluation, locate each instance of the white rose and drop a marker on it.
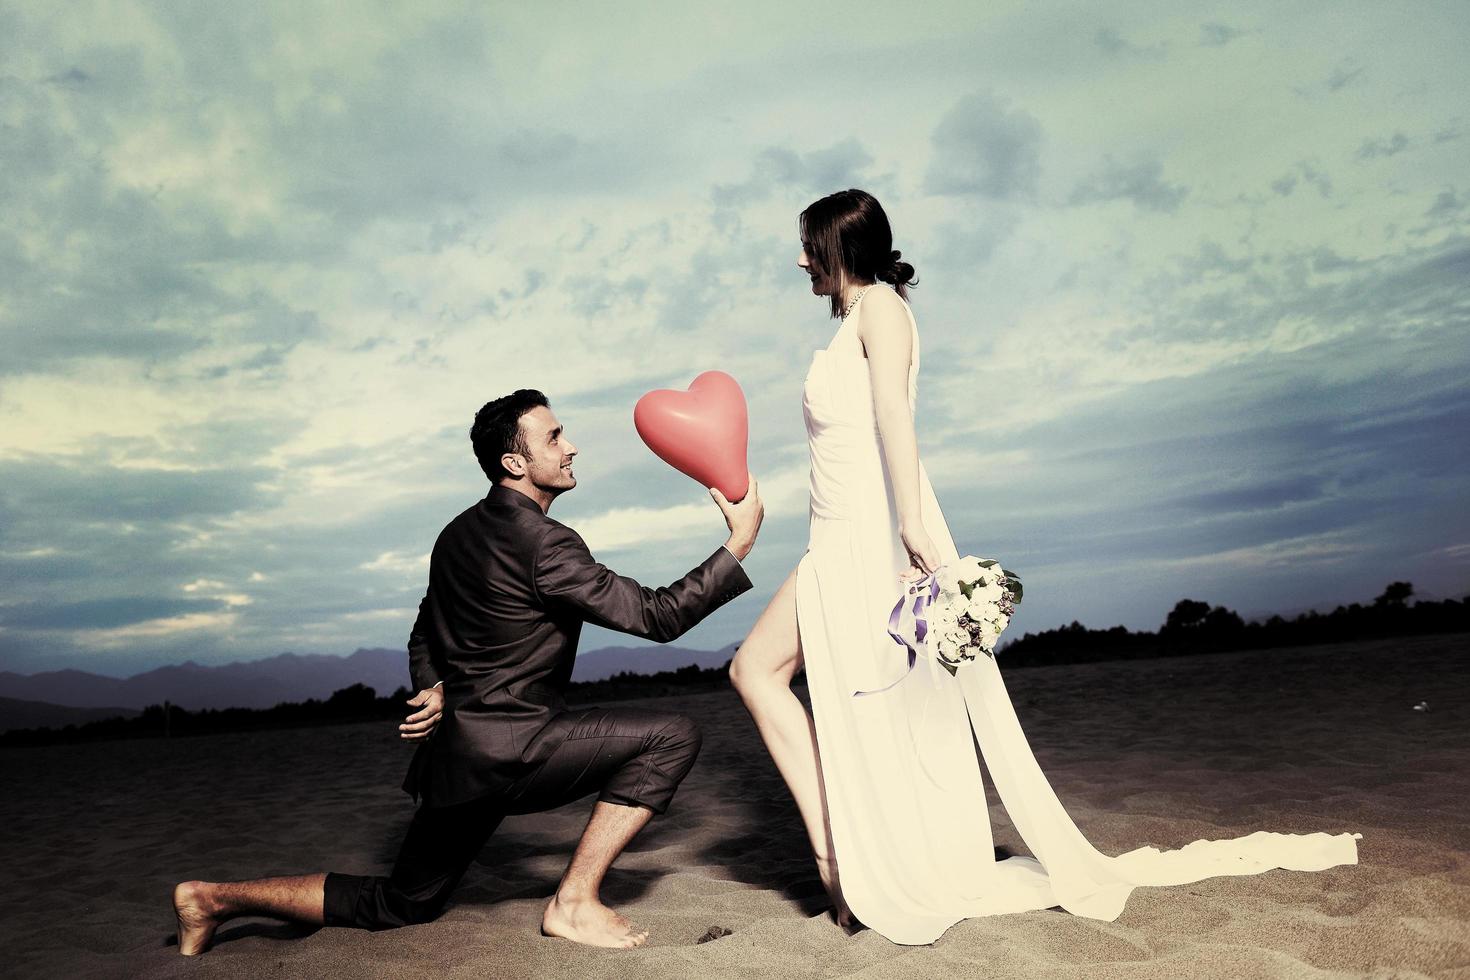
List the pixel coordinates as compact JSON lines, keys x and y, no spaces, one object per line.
{"x":980,"y":607}
{"x":968,"y":569}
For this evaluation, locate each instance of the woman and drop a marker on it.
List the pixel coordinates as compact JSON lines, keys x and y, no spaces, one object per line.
{"x":884,"y":771}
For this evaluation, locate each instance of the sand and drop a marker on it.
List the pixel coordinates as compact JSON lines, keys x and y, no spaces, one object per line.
{"x":1152,"y":752}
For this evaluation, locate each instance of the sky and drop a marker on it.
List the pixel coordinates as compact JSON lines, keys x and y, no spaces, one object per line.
{"x":1193,"y":303}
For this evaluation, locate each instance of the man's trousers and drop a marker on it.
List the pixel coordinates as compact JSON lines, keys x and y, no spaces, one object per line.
{"x":626,"y":755}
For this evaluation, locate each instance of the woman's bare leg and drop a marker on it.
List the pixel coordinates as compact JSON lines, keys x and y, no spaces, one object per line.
{"x":762,"y":671}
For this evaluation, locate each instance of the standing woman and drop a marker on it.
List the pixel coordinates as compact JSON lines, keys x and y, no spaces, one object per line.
{"x":884,"y":770}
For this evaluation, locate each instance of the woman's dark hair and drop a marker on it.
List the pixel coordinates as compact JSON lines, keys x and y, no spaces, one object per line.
{"x":848,"y":231}
{"x":497,"y":429}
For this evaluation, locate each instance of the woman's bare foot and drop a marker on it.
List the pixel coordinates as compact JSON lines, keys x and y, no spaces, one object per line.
{"x":827,"y":869}
{"x":591,"y":923}
{"x":195,"y":912}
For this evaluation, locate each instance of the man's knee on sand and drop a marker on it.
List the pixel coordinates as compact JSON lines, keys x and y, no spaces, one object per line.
{"x":375,"y":902}
{"x":414,"y":911}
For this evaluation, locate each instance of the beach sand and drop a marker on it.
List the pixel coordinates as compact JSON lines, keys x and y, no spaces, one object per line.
{"x":1155,"y":752}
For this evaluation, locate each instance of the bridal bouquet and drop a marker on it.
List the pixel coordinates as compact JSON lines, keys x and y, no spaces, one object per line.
{"x":957,"y":613}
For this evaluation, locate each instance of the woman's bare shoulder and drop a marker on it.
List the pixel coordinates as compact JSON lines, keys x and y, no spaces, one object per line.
{"x":883,"y":312}
{"x":884,"y":297}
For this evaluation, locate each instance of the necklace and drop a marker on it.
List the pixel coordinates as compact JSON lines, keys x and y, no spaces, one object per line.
{"x":855,"y":300}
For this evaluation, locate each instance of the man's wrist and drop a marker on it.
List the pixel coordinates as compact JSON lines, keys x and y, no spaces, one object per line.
{"x":739,"y":548}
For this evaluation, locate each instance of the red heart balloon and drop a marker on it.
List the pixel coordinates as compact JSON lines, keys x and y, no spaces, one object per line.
{"x":701,"y":432}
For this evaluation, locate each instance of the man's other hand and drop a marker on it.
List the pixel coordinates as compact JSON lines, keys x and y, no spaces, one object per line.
{"x":420,"y":725}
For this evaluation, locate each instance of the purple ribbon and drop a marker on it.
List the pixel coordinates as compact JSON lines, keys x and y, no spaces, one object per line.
{"x":908,"y":623}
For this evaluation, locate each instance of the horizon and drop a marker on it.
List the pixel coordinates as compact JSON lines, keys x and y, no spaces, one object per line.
{"x":635,"y":643}
{"x":1193,"y":296}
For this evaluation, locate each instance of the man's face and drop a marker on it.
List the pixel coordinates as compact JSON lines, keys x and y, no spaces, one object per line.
{"x":548,"y":458}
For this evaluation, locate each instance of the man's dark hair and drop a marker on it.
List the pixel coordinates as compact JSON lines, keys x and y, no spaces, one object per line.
{"x":497,"y":429}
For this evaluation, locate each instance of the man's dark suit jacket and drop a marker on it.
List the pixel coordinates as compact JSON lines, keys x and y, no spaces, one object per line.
{"x":509,"y":589}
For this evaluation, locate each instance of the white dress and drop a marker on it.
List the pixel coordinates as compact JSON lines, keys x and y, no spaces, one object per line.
{"x":903,"y":785}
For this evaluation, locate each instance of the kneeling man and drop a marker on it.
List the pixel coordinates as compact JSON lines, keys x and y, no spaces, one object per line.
{"x":490,"y":655}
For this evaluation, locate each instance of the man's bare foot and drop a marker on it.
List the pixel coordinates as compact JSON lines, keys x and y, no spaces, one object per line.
{"x":827,"y":869}
{"x":194,"y":910}
{"x":591,"y":923}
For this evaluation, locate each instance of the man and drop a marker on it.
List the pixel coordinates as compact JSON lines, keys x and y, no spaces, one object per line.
{"x":491,"y":654}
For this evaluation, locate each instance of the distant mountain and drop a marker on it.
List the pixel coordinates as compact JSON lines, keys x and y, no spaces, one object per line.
{"x":293,"y":677}
{"x":596,"y":665}
{"x":245,"y":684}
{"x":39,"y":714}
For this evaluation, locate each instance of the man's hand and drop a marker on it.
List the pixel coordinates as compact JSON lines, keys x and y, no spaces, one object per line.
{"x":743,"y":518}
{"x":420,"y":725}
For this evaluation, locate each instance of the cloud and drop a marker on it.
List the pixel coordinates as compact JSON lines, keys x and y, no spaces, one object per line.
{"x":1110,"y":42}
{"x":1287,"y":183}
{"x":100,"y":493}
{"x":72,"y":76}
{"x":398,"y":563}
{"x":1141,"y":182}
{"x":779,"y":170}
{"x":1347,"y":71}
{"x":1334,"y":547}
{"x":1211,"y":262}
{"x":1418,"y":292}
{"x":1216,"y":35}
{"x":101,"y":613}
{"x":182,"y":628}
{"x":133,"y":252}
{"x":1447,"y":205}
{"x":1375,"y":148}
{"x":984,"y":147}
{"x":1247,"y":497}
{"x":1325,"y":260}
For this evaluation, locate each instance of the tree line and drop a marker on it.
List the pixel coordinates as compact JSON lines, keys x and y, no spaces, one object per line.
{"x":1194,"y":627}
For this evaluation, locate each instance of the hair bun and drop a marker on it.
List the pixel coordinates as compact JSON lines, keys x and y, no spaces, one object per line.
{"x":898,"y":271}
